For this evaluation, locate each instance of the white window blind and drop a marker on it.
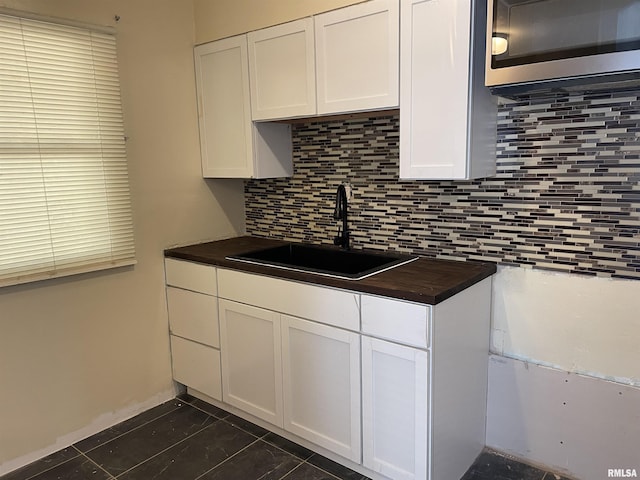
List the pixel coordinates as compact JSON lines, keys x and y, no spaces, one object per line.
{"x":64,"y":191}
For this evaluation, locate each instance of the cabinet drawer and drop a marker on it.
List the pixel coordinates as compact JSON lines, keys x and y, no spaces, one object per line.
{"x":324,"y":305}
{"x":191,"y":276}
{"x":395,"y":320}
{"x":194,"y":316}
{"x":196,"y":366}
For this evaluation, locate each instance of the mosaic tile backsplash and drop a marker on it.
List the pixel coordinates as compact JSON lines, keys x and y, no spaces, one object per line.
{"x":566,"y":196}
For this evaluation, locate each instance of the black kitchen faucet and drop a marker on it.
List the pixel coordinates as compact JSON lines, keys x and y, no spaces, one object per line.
{"x":340,"y":213}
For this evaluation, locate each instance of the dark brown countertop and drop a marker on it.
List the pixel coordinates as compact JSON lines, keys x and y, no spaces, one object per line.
{"x":426,"y":280}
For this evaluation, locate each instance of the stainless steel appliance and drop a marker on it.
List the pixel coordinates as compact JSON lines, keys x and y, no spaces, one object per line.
{"x":543,"y":44}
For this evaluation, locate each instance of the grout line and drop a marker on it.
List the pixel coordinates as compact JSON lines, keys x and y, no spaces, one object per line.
{"x":228,"y":458}
{"x":246,"y":431}
{"x":226,"y":419}
{"x":302,"y":460}
{"x":261,"y":438}
{"x":84,"y":453}
{"x":47,"y":469}
{"x":324,"y":471}
{"x":292,"y":470}
{"x":99,"y":467}
{"x":168,"y":448}
{"x":205,"y":411}
{"x":128,"y":431}
{"x":267,"y":473}
{"x":79,"y":454}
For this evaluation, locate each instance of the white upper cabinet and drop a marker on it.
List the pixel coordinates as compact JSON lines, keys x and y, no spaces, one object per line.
{"x":282,"y":71}
{"x":357,"y":50}
{"x":222,"y":84}
{"x":231,"y":145}
{"x":342,"y":61}
{"x":447,"y":115}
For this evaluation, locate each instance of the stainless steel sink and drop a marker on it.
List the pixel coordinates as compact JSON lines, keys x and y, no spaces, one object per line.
{"x":327,"y":261}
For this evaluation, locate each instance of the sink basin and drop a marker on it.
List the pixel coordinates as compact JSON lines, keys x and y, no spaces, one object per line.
{"x":327,"y":261}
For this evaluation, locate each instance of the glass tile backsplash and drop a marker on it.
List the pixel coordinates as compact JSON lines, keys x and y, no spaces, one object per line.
{"x":566,"y":196}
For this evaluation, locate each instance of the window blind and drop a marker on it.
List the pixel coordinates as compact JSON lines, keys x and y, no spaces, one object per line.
{"x":64,"y":192}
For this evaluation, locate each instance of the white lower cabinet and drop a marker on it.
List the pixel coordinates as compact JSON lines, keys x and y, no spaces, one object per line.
{"x":393,"y":389}
{"x":321,"y":369}
{"x":395,"y":421}
{"x":251,"y":360}
{"x":298,"y":375}
{"x":231,"y":145}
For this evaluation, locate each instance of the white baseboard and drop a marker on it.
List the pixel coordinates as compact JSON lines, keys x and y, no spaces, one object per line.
{"x":580,"y":425}
{"x":101,"y":423}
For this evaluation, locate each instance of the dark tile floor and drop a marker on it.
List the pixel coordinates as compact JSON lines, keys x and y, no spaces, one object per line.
{"x":492,"y":466}
{"x":187,"y":439}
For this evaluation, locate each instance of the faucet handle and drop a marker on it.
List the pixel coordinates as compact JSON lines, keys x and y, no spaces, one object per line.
{"x":338,"y":211}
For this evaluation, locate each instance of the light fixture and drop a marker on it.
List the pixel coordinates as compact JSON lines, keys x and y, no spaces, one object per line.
{"x":499,"y":45}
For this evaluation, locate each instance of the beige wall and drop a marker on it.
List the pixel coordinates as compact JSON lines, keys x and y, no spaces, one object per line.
{"x":78,"y":354}
{"x":216,"y":19}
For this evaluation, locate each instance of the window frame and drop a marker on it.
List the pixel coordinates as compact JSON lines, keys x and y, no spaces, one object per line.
{"x":105,"y":150}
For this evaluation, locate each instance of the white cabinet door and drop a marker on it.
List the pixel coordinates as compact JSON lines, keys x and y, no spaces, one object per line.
{"x":321,"y":368}
{"x":447,"y":116}
{"x":395,"y":409}
{"x":357,"y":50}
{"x":250,"y":346}
{"x":231,"y":146}
{"x":282,"y":71}
{"x":435,"y":88}
{"x":224,"y":109}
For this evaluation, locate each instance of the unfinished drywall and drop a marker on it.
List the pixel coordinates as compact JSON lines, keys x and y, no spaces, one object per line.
{"x":580,"y":324}
{"x":580,"y":425}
